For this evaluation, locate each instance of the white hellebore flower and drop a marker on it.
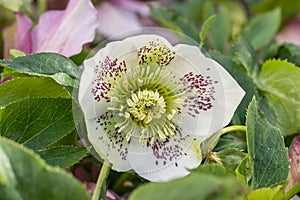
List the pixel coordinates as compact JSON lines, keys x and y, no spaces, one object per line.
{"x":148,"y":104}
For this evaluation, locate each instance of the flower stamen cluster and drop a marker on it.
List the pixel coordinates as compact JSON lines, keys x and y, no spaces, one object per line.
{"x":145,"y":103}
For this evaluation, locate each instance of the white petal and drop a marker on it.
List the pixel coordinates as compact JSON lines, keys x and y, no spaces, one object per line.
{"x":90,"y":95}
{"x":152,"y":49}
{"x":93,"y":133}
{"x":109,"y":145}
{"x":164,"y":160}
{"x":146,"y":39}
{"x":222,"y":93}
{"x":89,"y":106}
{"x":233,"y":93}
{"x":122,"y":50}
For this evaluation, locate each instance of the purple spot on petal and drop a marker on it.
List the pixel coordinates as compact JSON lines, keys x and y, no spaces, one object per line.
{"x":168,"y":151}
{"x":155,"y":52}
{"x":114,"y":140}
{"x":106,"y":69}
{"x":200,"y":92}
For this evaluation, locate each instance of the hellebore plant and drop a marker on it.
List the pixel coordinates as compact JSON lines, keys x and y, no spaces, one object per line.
{"x":148,"y":105}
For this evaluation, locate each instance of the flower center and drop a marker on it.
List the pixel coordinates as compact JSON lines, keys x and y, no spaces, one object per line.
{"x":146,"y":105}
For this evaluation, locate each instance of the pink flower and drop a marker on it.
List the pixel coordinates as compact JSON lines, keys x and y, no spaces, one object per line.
{"x":58,"y":31}
{"x":290,"y":33}
{"x":118,"y":16}
{"x":294,"y":156}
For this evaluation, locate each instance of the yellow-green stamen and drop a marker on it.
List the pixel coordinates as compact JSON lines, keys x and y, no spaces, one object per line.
{"x":146,"y":105}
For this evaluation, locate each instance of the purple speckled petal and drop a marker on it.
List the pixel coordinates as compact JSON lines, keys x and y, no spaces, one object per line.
{"x":107,"y":142}
{"x":108,"y":62}
{"x":212,"y":95}
{"x":23,"y":35}
{"x":66,"y":31}
{"x":165,"y":160}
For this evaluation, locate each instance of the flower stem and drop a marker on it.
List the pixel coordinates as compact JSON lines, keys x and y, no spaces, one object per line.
{"x":101,"y":181}
{"x":230,"y":129}
{"x":292,"y":192}
{"x":41,"y":7}
{"x":211,"y":142}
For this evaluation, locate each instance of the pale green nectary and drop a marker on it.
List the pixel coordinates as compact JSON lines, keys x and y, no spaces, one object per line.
{"x":148,"y":104}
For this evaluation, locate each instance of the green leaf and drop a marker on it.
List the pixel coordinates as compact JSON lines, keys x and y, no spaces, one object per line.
{"x":247,"y":56}
{"x":290,"y":52}
{"x":229,"y":158}
{"x":79,"y":58}
{"x":279,"y":81}
{"x":243,"y":171}
{"x":63,"y":156}
{"x":271,"y":193}
{"x":14,"y":53}
{"x":237,"y":18}
{"x":235,"y":140}
{"x":179,"y":24}
{"x":165,"y":18}
{"x":214,"y":142}
{"x":192,"y":9}
{"x":205,"y":28}
{"x":70,"y":139}
{"x":29,"y":87}
{"x":268,"y":155}
{"x":25,"y":176}
{"x":35,"y":111}
{"x":200,"y":185}
{"x":263,"y":5}
{"x":56,"y":66}
{"x":262,"y":28}
{"x":37,"y":122}
{"x":289,"y":8}
{"x":8,"y":72}
{"x":15,"y":5}
{"x":220,"y":30}
{"x":212,"y":169}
